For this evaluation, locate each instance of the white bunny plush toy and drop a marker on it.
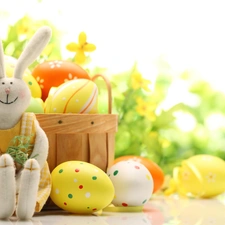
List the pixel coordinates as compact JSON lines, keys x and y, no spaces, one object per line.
{"x":24,"y":189}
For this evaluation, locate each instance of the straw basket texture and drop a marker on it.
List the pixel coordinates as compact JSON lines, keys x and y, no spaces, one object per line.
{"x":85,"y":137}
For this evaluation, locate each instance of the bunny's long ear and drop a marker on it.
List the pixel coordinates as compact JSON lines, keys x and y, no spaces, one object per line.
{"x":32,"y":50}
{"x":2,"y":67}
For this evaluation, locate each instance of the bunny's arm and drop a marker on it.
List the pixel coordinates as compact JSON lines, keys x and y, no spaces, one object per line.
{"x":41,"y":145}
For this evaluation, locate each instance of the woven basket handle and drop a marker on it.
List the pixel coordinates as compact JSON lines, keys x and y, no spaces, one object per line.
{"x":109,"y":88}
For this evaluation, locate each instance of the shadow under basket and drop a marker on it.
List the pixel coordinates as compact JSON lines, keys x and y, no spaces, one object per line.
{"x":84,"y":137}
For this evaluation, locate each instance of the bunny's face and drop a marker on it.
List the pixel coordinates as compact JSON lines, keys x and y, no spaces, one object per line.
{"x":14,"y":94}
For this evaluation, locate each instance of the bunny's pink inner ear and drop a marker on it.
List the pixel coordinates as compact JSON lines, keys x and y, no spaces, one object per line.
{"x":2,"y":63}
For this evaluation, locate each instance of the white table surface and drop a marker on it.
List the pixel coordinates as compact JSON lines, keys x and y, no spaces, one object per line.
{"x":159,"y":210}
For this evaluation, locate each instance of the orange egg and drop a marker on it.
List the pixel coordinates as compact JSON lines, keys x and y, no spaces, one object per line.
{"x":53,"y":73}
{"x":153,"y":168}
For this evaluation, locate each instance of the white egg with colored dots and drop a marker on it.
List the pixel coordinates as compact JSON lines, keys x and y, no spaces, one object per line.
{"x":81,"y":187}
{"x":133,"y":183}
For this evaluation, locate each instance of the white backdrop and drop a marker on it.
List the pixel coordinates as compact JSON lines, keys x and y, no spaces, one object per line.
{"x":190,"y":34}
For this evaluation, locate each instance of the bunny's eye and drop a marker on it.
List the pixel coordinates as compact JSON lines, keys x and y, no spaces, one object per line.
{"x":11,"y":82}
{"x":3,"y":83}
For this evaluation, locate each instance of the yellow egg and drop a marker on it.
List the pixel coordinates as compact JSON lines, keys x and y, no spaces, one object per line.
{"x":48,"y":101}
{"x":81,"y":187}
{"x":201,"y":176}
{"x":10,"y":63}
{"x":74,"y":96}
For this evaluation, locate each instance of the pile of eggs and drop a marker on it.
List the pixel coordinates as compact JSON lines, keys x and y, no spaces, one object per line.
{"x":83,"y":188}
{"x":58,"y":86}
{"x":80,"y":187}
{"x":155,"y":170}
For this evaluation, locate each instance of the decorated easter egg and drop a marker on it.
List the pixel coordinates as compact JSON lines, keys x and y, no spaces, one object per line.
{"x":75,"y":96}
{"x":10,"y":63}
{"x":133,"y":183}
{"x":201,"y":176}
{"x":81,"y":187}
{"x":53,"y":73}
{"x":48,"y":100}
{"x":36,"y":105}
{"x":153,"y":168}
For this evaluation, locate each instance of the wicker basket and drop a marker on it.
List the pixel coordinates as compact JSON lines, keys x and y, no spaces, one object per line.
{"x":85,"y":137}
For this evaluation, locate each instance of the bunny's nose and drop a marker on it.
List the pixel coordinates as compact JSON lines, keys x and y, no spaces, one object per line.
{"x":7,"y":91}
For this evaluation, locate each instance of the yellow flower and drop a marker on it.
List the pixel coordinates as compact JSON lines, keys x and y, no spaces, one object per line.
{"x":137,"y":81}
{"x":145,"y":109}
{"x":24,"y":26}
{"x":80,"y":48}
{"x":211,"y":177}
{"x":165,"y":143}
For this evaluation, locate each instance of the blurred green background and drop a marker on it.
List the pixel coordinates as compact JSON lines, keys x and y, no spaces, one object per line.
{"x":166,"y":116}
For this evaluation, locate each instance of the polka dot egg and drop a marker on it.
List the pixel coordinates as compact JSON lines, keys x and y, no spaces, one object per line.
{"x":81,"y":187}
{"x":133,"y":183}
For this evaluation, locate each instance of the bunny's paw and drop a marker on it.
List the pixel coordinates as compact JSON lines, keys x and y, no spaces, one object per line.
{"x":7,"y":186}
{"x":28,"y":189}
